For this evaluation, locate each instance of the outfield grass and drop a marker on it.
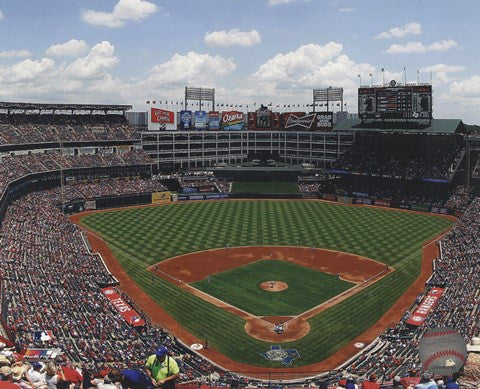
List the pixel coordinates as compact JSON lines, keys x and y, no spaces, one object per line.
{"x":142,"y":236}
{"x":265,"y":187}
{"x":240,"y":287}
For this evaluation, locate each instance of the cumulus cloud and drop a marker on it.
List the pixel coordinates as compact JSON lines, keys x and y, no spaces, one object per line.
{"x":123,"y":11}
{"x":346,"y":9}
{"x":1,"y":15}
{"x":191,"y":68}
{"x":15,"y":54}
{"x":419,"y":47}
{"x":233,"y":37}
{"x":100,"y":58}
{"x":290,"y":77}
{"x":25,"y":71}
{"x":399,"y":32}
{"x":72,"y":48}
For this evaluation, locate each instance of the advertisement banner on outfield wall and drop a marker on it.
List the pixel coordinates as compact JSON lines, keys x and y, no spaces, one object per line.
{"x":214,"y":120}
{"x":329,"y":197}
{"x":232,"y":120}
{"x":124,"y":309}
{"x":200,"y":120}
{"x":160,"y":197}
{"x":185,"y":120}
{"x":345,"y":199}
{"x":426,"y":306}
{"x":382,"y":203}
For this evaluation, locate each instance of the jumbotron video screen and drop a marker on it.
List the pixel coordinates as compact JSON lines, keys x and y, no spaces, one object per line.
{"x":395,"y":102}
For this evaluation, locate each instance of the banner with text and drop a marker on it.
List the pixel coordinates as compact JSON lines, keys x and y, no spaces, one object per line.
{"x":162,"y":116}
{"x":200,"y":120}
{"x":420,"y":314}
{"x":214,"y":120}
{"x":128,"y":314}
{"x":232,"y":120}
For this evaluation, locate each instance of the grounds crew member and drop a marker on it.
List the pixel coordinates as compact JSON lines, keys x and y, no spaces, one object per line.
{"x":162,"y":369}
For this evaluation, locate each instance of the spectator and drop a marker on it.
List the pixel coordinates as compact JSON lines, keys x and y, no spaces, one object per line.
{"x":162,"y":369}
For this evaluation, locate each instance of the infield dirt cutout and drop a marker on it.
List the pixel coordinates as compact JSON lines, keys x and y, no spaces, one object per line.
{"x":186,"y":269}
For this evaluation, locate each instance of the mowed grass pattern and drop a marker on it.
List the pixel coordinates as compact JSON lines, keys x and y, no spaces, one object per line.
{"x":240,"y":287}
{"x":143,"y":236}
{"x":265,"y":187}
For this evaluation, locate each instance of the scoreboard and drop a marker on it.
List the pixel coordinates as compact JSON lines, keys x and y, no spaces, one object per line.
{"x":395,"y":102}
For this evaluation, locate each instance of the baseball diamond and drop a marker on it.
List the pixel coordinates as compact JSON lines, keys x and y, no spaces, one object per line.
{"x":143,"y":239}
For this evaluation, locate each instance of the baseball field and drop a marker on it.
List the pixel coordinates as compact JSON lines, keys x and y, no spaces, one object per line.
{"x":144,"y":239}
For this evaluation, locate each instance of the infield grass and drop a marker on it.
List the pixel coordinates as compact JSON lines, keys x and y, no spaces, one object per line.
{"x":265,"y":187}
{"x":140,"y":237}
{"x":240,"y":287}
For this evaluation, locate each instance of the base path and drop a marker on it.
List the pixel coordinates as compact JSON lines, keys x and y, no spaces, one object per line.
{"x":185,"y":269}
{"x":162,"y":318}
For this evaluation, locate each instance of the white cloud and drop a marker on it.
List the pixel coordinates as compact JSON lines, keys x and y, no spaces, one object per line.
{"x":123,"y":11}
{"x":399,"y":32}
{"x":346,"y":9}
{"x":419,"y":47}
{"x":279,"y":2}
{"x":25,"y":71}
{"x":191,"y":68}
{"x":273,"y":3}
{"x":443,"y":68}
{"x":232,"y":37}
{"x":290,"y":77}
{"x":72,"y":48}
{"x":100,"y":58}
{"x":15,"y":53}
{"x":1,"y":15}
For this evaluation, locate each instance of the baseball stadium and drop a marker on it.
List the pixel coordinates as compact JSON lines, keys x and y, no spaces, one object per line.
{"x":259,"y":248}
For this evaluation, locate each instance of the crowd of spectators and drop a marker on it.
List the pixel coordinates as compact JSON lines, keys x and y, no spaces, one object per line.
{"x":458,"y":271}
{"x":401,"y":162}
{"x":90,"y":189}
{"x":34,"y":128}
{"x":51,"y":282}
{"x":13,"y":167}
{"x":457,"y":198}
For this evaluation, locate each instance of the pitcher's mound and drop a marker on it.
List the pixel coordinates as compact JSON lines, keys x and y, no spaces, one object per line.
{"x":273,"y":286}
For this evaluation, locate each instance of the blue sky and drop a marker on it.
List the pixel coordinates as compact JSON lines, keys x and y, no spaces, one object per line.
{"x":130,"y":51}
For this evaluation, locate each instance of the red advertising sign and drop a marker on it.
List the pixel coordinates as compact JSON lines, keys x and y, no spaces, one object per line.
{"x":213,"y":114}
{"x":420,"y":314}
{"x":128,"y":314}
{"x":158,"y":115}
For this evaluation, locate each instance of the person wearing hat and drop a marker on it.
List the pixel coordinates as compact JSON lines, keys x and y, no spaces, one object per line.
{"x":451,"y":383}
{"x":35,"y":375}
{"x":426,"y":382}
{"x":396,"y":384}
{"x":162,"y":369}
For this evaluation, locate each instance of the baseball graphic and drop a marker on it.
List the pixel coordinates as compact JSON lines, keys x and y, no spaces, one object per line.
{"x":442,"y":351}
